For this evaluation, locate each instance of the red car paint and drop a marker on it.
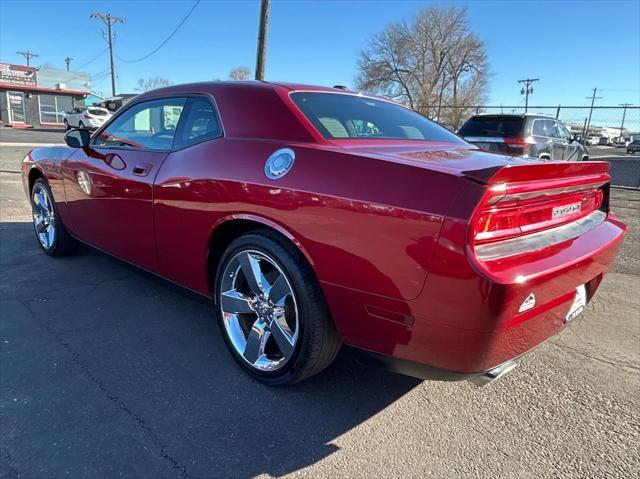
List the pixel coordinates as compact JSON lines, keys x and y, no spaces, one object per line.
{"x":385,"y":224}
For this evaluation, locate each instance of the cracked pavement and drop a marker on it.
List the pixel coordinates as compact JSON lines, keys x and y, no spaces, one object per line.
{"x":106,"y":371}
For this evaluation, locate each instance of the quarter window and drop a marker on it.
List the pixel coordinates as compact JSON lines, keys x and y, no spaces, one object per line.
{"x":200,"y":123}
{"x":150,"y":125}
{"x":544,"y":128}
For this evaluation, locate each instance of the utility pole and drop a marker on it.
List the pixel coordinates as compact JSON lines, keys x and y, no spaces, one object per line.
{"x":28,"y":56}
{"x":593,"y":100}
{"x":526,"y":90}
{"x":109,"y":20}
{"x":624,"y":114}
{"x":262,"y":39}
{"x":68,"y":62}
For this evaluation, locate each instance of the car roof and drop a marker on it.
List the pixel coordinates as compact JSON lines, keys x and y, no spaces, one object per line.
{"x":514,"y":115}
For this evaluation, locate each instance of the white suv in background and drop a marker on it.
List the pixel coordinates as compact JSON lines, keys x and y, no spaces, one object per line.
{"x":91,"y":118}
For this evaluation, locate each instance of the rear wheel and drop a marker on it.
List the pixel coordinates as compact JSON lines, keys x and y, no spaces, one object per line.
{"x":50,"y":232}
{"x":81,"y":125}
{"x":66,"y":124}
{"x":272,"y":312}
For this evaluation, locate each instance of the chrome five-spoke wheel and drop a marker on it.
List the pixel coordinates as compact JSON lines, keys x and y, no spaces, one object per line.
{"x":43,"y":215}
{"x":259,"y":310}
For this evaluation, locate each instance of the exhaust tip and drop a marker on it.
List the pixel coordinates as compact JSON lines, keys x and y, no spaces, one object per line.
{"x":493,"y":374}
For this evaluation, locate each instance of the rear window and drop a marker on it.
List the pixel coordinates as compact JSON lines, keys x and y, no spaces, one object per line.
{"x":492,"y":126}
{"x":343,"y":116}
{"x":93,"y":111}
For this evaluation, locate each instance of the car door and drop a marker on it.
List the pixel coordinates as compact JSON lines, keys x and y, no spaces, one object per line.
{"x":557,"y":144}
{"x":109,"y":184}
{"x":571,"y":150}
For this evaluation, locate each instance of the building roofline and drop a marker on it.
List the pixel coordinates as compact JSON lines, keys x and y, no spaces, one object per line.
{"x":9,"y":86}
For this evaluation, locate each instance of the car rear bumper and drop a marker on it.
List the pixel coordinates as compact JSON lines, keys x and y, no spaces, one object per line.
{"x":465,"y":322}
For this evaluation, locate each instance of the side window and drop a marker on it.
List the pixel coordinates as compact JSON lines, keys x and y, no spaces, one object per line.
{"x":149,"y":125}
{"x":538,"y":128}
{"x":562,"y":131}
{"x":199,"y":124}
{"x":545,"y":128}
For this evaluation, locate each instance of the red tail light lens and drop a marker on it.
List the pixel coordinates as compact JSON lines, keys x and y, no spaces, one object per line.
{"x":512,"y":216}
{"x":87,"y":116}
{"x":518,"y":142}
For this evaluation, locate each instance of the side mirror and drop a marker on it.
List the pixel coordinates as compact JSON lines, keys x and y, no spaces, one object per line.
{"x":77,"y":138}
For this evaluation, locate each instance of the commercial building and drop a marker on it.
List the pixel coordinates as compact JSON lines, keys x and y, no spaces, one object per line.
{"x":39,"y":97}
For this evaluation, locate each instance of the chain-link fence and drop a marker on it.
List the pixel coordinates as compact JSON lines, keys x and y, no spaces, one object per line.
{"x":601,"y":121}
{"x":604,"y":129}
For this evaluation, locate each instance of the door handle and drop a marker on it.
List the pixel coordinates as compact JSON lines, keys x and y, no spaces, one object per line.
{"x":142,"y":169}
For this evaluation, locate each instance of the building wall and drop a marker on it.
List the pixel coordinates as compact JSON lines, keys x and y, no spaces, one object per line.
{"x":34,"y":83}
{"x":32,"y":106}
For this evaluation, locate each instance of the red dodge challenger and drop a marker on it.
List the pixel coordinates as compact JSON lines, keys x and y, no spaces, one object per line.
{"x":317,"y":216}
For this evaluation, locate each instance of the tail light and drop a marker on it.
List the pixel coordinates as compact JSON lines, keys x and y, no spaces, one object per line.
{"x":503,"y":216}
{"x":518,"y":142}
{"x":87,"y":116}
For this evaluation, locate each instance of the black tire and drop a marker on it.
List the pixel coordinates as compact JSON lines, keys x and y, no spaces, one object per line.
{"x":62,"y":244}
{"x":318,"y":341}
{"x":66,"y":125}
{"x":81,"y":125}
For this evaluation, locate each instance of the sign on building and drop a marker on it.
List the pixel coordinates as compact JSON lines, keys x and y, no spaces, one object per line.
{"x":17,"y":75}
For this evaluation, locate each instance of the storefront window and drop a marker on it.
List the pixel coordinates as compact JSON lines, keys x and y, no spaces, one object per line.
{"x":54,"y":107}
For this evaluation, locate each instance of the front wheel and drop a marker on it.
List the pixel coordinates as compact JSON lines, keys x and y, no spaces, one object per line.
{"x":50,"y":232}
{"x":272,"y":312}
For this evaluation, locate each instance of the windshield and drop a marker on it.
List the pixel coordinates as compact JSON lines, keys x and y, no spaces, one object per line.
{"x":97,"y":112}
{"x":509,"y":126}
{"x":343,"y":116}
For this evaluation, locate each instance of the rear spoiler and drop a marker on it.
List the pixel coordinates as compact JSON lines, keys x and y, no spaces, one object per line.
{"x":549,"y":174}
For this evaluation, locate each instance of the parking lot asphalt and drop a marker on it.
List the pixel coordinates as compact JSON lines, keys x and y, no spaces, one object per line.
{"x":106,"y":371}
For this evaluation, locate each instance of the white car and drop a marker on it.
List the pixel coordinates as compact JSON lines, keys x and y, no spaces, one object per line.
{"x":593,"y":140}
{"x":91,"y":118}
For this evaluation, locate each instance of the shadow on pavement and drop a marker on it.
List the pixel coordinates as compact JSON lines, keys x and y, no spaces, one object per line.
{"x":105,"y":372}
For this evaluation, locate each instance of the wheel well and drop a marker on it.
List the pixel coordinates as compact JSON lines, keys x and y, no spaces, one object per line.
{"x":228,"y":231}
{"x":34,"y":174}
{"x":544,"y":155}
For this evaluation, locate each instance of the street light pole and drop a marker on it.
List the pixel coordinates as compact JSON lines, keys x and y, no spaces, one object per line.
{"x":624,"y":114}
{"x":593,"y":100}
{"x":68,"y":62}
{"x":262,"y":39}
{"x":109,"y":20}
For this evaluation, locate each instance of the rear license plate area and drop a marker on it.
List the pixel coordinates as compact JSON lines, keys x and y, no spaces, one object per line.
{"x":578,"y":305}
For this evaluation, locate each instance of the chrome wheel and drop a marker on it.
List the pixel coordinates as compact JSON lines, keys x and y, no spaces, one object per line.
{"x":43,"y":216}
{"x":259,"y":310}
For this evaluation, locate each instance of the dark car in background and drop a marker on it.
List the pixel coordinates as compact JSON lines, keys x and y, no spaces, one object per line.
{"x":536,"y":136}
{"x":633,"y":147}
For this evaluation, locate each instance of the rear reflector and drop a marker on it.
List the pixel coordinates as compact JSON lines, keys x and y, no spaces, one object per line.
{"x":517,"y":215}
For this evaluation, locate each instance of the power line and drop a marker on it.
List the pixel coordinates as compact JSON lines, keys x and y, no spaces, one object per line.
{"x":27,"y":56}
{"x":166,"y":39}
{"x":93,"y":59}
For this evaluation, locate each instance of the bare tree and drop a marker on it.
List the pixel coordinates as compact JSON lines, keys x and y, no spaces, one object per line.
{"x":435,"y":59}
{"x":240,"y":73}
{"x":152,"y":83}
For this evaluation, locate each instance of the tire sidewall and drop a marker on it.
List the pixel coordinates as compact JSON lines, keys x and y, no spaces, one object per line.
{"x":291,"y":267}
